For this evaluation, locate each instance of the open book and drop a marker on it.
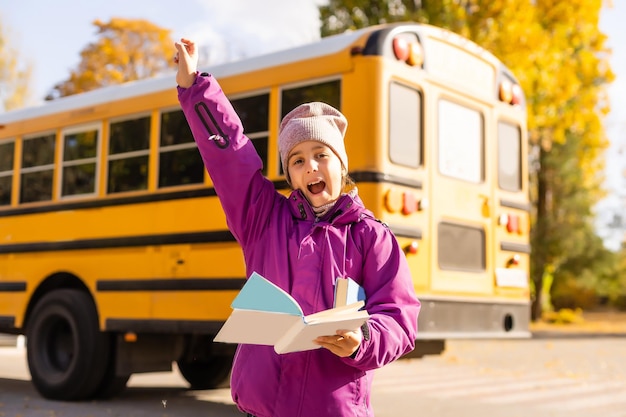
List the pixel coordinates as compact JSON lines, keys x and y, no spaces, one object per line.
{"x":264,"y":314}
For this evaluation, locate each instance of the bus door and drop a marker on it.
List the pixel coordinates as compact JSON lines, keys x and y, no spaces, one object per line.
{"x":460,"y":198}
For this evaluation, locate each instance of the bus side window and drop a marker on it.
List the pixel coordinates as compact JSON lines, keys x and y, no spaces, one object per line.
{"x":405,"y":125}
{"x":328,"y":92}
{"x":129,"y":148}
{"x":254,"y":114}
{"x":37,"y":168}
{"x":6,"y":172}
{"x":80,"y":151}
{"x":509,"y":157}
{"x":179,"y":160}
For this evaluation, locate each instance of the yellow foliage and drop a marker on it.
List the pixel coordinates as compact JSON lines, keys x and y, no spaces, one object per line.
{"x":126,"y":50}
{"x":14,"y":76}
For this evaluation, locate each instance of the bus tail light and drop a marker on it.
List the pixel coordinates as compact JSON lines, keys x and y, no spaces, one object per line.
{"x":409,"y":205}
{"x":513,"y":261}
{"x":422,"y":204}
{"x":130,"y":337}
{"x":512,"y":225}
{"x":412,"y":248}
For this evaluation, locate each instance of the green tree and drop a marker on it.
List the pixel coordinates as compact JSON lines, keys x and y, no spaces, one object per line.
{"x":126,"y":50}
{"x":558,"y":53}
{"x":14,"y":75}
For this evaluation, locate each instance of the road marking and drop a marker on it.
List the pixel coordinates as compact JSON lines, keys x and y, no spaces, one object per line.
{"x":539,"y":390}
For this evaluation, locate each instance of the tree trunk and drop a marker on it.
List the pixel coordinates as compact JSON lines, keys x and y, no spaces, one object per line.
{"x":539,"y":252}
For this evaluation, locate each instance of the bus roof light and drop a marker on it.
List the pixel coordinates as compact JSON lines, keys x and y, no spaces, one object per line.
{"x":401,"y":48}
{"x":516,"y":94}
{"x":416,"y":55}
{"x":506,"y":91}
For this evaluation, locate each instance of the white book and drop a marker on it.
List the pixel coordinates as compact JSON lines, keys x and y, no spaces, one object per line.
{"x":265,"y":314}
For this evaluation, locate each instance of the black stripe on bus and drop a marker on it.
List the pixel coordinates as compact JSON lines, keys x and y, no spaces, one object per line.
{"x":12,"y":286}
{"x":96,"y":203}
{"x":515,"y":205}
{"x":219,"y":236}
{"x":163,"y":326}
{"x":110,"y":202}
{"x":168,"y":284}
{"x":408,"y":232}
{"x":515,"y":247}
{"x":372,"y":176}
{"x":7,"y":322}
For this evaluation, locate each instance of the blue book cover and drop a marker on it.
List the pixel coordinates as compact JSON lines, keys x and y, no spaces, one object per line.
{"x":260,"y":294}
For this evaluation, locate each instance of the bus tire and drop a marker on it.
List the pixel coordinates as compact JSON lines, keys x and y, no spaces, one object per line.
{"x":67,"y":354}
{"x":208,"y":373}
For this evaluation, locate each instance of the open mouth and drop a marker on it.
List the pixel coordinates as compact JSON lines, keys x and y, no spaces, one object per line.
{"x":316,"y":187}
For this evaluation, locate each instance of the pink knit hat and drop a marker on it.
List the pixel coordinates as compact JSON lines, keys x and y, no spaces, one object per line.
{"x":312,"y":121}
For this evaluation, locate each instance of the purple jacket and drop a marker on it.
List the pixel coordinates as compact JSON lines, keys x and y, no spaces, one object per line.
{"x":283,"y":241}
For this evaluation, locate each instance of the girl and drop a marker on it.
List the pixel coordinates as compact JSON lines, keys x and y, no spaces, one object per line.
{"x":302,"y":243}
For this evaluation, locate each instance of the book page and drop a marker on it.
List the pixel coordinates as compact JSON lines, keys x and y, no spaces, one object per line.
{"x":334,"y":312}
{"x":300,"y":337}
{"x":255,"y":327}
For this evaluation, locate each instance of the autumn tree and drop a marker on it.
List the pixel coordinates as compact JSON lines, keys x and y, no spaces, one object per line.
{"x":558,"y":53}
{"x":126,"y":50}
{"x":14,"y":75}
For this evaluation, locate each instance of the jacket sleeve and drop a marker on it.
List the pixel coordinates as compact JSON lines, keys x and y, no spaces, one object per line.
{"x":390,"y":300}
{"x":229,"y":156}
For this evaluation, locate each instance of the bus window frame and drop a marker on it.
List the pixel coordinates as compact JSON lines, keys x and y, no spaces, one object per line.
{"x":97,"y":126}
{"x":300,"y":84}
{"x":482,"y":162}
{"x":520,"y":172}
{"x":37,"y":168}
{"x":160,"y":150}
{"x":253,"y":136}
{"x":10,"y":173}
{"x":109,"y":157}
{"x":420,"y":129}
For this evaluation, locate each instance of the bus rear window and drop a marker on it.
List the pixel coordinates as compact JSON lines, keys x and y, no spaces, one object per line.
{"x":405,"y":125}
{"x":461,"y":247}
{"x":509,"y":157}
{"x":461,"y":138}
{"x":6,"y":172}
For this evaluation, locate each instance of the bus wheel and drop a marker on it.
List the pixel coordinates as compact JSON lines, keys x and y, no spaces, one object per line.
{"x":208,"y":373}
{"x":67,"y":354}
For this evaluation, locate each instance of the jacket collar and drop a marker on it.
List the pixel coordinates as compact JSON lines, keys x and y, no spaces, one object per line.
{"x":347,"y":209}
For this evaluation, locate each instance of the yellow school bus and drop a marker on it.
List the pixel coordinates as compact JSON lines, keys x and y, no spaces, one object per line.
{"x":115,"y":256}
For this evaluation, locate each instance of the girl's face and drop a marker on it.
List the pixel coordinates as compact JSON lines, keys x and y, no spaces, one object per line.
{"x":315,"y":170}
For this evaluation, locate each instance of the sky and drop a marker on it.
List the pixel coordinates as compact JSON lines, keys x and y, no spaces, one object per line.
{"x":51,"y":33}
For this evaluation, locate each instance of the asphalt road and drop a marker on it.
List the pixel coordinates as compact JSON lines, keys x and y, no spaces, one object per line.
{"x":547,"y":376}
